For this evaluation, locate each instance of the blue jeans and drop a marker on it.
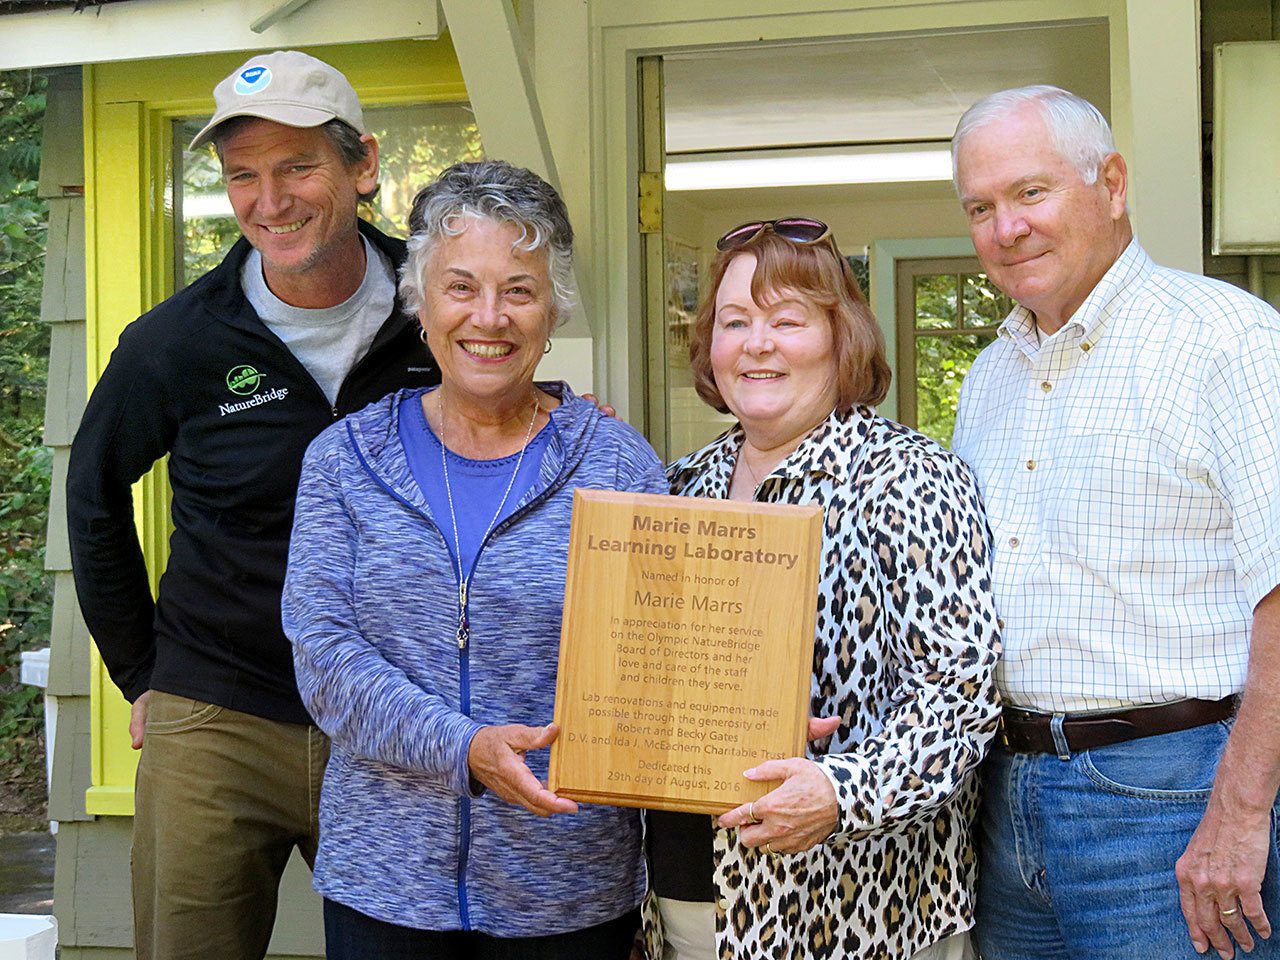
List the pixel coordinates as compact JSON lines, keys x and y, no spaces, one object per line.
{"x":1077,"y":855}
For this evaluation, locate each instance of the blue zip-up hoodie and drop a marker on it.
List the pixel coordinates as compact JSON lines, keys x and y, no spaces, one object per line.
{"x":371,"y":607}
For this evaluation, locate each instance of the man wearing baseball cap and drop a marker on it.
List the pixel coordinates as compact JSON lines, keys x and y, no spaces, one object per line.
{"x":231,"y":379}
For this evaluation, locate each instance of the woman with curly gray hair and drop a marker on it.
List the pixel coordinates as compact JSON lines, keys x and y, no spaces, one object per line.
{"x":423,"y":600}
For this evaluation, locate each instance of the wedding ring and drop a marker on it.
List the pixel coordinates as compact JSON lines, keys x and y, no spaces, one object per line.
{"x":751,"y":814}
{"x":769,"y":849}
{"x":1229,"y":913}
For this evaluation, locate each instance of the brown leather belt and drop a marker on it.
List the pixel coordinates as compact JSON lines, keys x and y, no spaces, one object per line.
{"x":1025,"y":731}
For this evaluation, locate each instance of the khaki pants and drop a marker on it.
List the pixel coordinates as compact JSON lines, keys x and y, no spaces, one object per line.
{"x":222,"y":798}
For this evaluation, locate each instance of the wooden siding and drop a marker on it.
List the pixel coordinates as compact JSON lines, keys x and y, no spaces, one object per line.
{"x":62,"y":299}
{"x":91,"y":895}
{"x":67,"y":387}
{"x":72,"y":757}
{"x":69,"y":660}
{"x":62,"y":306}
{"x":57,"y":551}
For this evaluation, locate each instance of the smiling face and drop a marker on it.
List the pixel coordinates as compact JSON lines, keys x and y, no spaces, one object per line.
{"x":774,"y":364}
{"x":295,"y":200}
{"x":1044,"y":236}
{"x":487,"y":312}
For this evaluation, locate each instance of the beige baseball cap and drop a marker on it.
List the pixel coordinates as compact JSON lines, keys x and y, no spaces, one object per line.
{"x":288,"y":87}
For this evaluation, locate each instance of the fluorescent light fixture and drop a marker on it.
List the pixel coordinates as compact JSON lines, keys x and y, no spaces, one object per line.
{"x":875,"y":163}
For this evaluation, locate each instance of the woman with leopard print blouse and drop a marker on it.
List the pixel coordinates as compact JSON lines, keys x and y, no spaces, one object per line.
{"x":865,"y":849}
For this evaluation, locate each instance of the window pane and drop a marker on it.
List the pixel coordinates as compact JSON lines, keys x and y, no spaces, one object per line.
{"x":984,"y":305}
{"x":941,"y":364}
{"x":415,"y":141}
{"x":935,"y":300}
{"x":204,"y":227}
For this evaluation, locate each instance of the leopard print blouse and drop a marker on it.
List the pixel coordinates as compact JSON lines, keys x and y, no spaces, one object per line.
{"x":905,"y":653}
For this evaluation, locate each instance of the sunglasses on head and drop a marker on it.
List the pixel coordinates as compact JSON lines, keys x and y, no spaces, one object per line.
{"x":801,"y":230}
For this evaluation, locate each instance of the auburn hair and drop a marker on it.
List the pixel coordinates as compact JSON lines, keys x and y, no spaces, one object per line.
{"x":816,"y":272}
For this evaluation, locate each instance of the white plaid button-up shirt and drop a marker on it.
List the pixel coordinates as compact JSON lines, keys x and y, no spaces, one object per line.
{"x":1130,"y":466}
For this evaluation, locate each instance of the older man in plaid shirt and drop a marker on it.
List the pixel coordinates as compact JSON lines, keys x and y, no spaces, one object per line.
{"x":1125,"y":434}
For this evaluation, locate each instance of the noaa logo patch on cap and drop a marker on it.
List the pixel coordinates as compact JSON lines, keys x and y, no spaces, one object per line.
{"x":253,"y":80}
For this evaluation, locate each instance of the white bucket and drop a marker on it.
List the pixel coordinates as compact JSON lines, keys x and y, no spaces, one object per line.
{"x":26,"y":936}
{"x":35,"y":667}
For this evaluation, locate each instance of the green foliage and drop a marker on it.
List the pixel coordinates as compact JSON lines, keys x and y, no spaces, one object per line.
{"x":206,"y":239}
{"x":941,"y":364}
{"x":25,"y":464}
{"x":945,"y":304}
{"x":416,"y":143}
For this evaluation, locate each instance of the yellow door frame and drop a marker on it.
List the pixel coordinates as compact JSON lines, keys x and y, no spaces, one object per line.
{"x":128,"y":112}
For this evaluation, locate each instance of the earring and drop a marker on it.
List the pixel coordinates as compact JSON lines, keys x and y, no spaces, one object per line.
{"x":422,"y":334}
{"x":546,"y":347}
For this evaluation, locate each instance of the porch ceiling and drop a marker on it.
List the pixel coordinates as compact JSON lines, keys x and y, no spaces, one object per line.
{"x":866,"y":91}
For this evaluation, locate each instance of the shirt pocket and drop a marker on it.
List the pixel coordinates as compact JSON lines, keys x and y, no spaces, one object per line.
{"x":1101,"y":507}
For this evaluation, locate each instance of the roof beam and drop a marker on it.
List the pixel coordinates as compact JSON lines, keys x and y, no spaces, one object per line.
{"x":272,"y":17}
{"x":495,"y":67}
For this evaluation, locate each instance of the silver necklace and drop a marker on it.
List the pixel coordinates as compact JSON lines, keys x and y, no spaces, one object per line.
{"x":742,"y":459}
{"x":464,"y":627}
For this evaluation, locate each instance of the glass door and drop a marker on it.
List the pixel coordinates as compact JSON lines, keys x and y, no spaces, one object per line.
{"x":947,"y":312}
{"x":677,"y":420}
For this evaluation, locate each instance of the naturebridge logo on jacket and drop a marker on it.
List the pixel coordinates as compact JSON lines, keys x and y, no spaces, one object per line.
{"x":244,"y":380}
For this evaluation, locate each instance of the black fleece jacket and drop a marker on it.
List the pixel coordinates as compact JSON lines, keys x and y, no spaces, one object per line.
{"x":201,"y":379}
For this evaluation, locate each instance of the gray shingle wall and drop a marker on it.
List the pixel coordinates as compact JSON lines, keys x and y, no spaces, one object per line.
{"x":91,"y":885}
{"x":63,"y":307}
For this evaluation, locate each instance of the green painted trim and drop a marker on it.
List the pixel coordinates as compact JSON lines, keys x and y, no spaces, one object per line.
{"x":885,"y":255}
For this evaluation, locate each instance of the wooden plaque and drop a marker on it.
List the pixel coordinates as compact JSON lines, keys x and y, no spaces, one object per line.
{"x":687,"y":648}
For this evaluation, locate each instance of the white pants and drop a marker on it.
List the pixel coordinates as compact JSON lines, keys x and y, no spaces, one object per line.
{"x":689,"y":933}
{"x":954,"y":947}
{"x":688,"y":929}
